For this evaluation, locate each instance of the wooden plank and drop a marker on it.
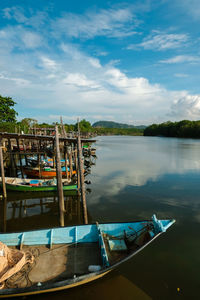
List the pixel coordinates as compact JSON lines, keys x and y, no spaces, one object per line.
{"x":85,"y":234}
{"x":42,"y":137}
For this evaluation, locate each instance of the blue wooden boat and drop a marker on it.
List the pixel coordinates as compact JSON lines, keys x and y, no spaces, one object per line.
{"x":70,"y":256}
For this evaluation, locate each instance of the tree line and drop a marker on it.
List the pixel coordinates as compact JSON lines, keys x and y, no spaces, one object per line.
{"x":9,"y":123}
{"x":182,"y":129}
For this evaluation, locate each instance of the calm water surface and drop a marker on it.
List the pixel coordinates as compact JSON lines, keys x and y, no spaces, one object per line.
{"x":134,"y":177}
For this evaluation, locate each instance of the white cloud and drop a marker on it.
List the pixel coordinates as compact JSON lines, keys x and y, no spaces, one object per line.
{"x":86,"y":89}
{"x":161,"y":41}
{"x":73,"y":82}
{"x":28,"y":17}
{"x":19,"y":37}
{"x":181,"y":75}
{"x":49,"y":63}
{"x":95,"y":62}
{"x":110,"y":22}
{"x":181,"y":59}
{"x":15,"y":13}
{"x":30,"y":39}
{"x":190,"y":7}
{"x":19,"y":81}
{"x":80,"y":80}
{"x":187,"y":107}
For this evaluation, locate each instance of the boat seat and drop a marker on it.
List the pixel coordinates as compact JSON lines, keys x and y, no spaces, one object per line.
{"x":117,"y":245}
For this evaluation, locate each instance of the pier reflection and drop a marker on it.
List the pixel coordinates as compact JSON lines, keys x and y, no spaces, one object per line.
{"x":28,"y":213}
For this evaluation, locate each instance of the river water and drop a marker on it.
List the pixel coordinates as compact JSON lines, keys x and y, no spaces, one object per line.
{"x":133,"y":178}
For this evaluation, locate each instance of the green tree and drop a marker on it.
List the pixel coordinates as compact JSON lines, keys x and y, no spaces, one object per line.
{"x":29,"y":122}
{"x":7,"y":113}
{"x":84,"y":126}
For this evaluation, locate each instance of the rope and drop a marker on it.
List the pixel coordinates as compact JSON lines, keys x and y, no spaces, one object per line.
{"x":16,"y":280}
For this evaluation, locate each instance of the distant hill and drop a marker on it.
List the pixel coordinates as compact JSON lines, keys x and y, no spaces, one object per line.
{"x":110,"y":124}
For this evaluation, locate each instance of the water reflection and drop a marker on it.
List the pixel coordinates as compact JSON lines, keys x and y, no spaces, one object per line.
{"x":35,"y":213}
{"x":133,"y":178}
{"x":141,"y":160}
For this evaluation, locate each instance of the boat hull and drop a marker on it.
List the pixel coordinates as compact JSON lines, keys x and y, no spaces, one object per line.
{"x":24,"y":185}
{"x":17,"y":188}
{"x":62,"y":286}
{"x":34,"y":173}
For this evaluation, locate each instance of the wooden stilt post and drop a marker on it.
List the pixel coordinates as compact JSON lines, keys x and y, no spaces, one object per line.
{"x":39,"y":158}
{"x":25,"y":147}
{"x":2,"y":172}
{"x":20,"y":158}
{"x":82,"y":184}
{"x":69,"y":173}
{"x":70,"y":163}
{"x":59,"y":181}
{"x":65,"y":158}
{"x":12,"y":171}
{"x":4,"y":214}
{"x":77,"y":170}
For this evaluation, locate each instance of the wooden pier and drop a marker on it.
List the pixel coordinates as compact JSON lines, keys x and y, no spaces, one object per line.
{"x":19,"y":151}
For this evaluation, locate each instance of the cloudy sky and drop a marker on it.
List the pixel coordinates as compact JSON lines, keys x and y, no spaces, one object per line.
{"x":133,"y":62}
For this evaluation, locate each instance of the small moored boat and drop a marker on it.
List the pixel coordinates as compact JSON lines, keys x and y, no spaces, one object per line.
{"x":36,"y":185}
{"x":66,"y":257}
{"x":46,"y":172}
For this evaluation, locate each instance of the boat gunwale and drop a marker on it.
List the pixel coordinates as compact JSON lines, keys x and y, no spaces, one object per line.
{"x":85,"y":225}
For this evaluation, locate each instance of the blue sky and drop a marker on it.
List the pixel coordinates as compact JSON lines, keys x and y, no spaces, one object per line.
{"x":133,"y":62}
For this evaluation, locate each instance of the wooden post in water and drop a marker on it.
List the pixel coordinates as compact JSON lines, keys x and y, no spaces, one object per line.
{"x":12,"y":169}
{"x":2,"y":172}
{"x":4,"y":214}
{"x":59,"y":180}
{"x":65,"y":158}
{"x":70,"y":163}
{"x":25,"y":148}
{"x":81,"y":172}
{"x":20,"y":158}
{"x":39,"y":158}
{"x":77,"y":170}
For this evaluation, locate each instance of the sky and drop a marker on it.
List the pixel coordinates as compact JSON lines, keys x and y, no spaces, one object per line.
{"x":134,"y":62}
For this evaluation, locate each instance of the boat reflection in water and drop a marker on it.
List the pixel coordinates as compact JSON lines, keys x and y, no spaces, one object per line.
{"x":23,"y":211}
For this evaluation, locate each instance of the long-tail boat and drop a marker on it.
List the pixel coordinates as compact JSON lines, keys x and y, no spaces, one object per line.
{"x":45,"y":172}
{"x":34,"y":185}
{"x":61,"y":258}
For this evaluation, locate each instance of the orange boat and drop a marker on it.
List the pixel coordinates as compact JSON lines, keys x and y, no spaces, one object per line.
{"x":45,"y":173}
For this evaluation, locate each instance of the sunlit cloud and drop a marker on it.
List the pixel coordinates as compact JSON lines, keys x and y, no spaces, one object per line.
{"x":159,"y":41}
{"x":50,"y":61}
{"x":17,"y":37}
{"x":190,"y":7}
{"x":181,"y":59}
{"x":181,"y":75}
{"x":111,"y":22}
{"x":187,"y":106}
